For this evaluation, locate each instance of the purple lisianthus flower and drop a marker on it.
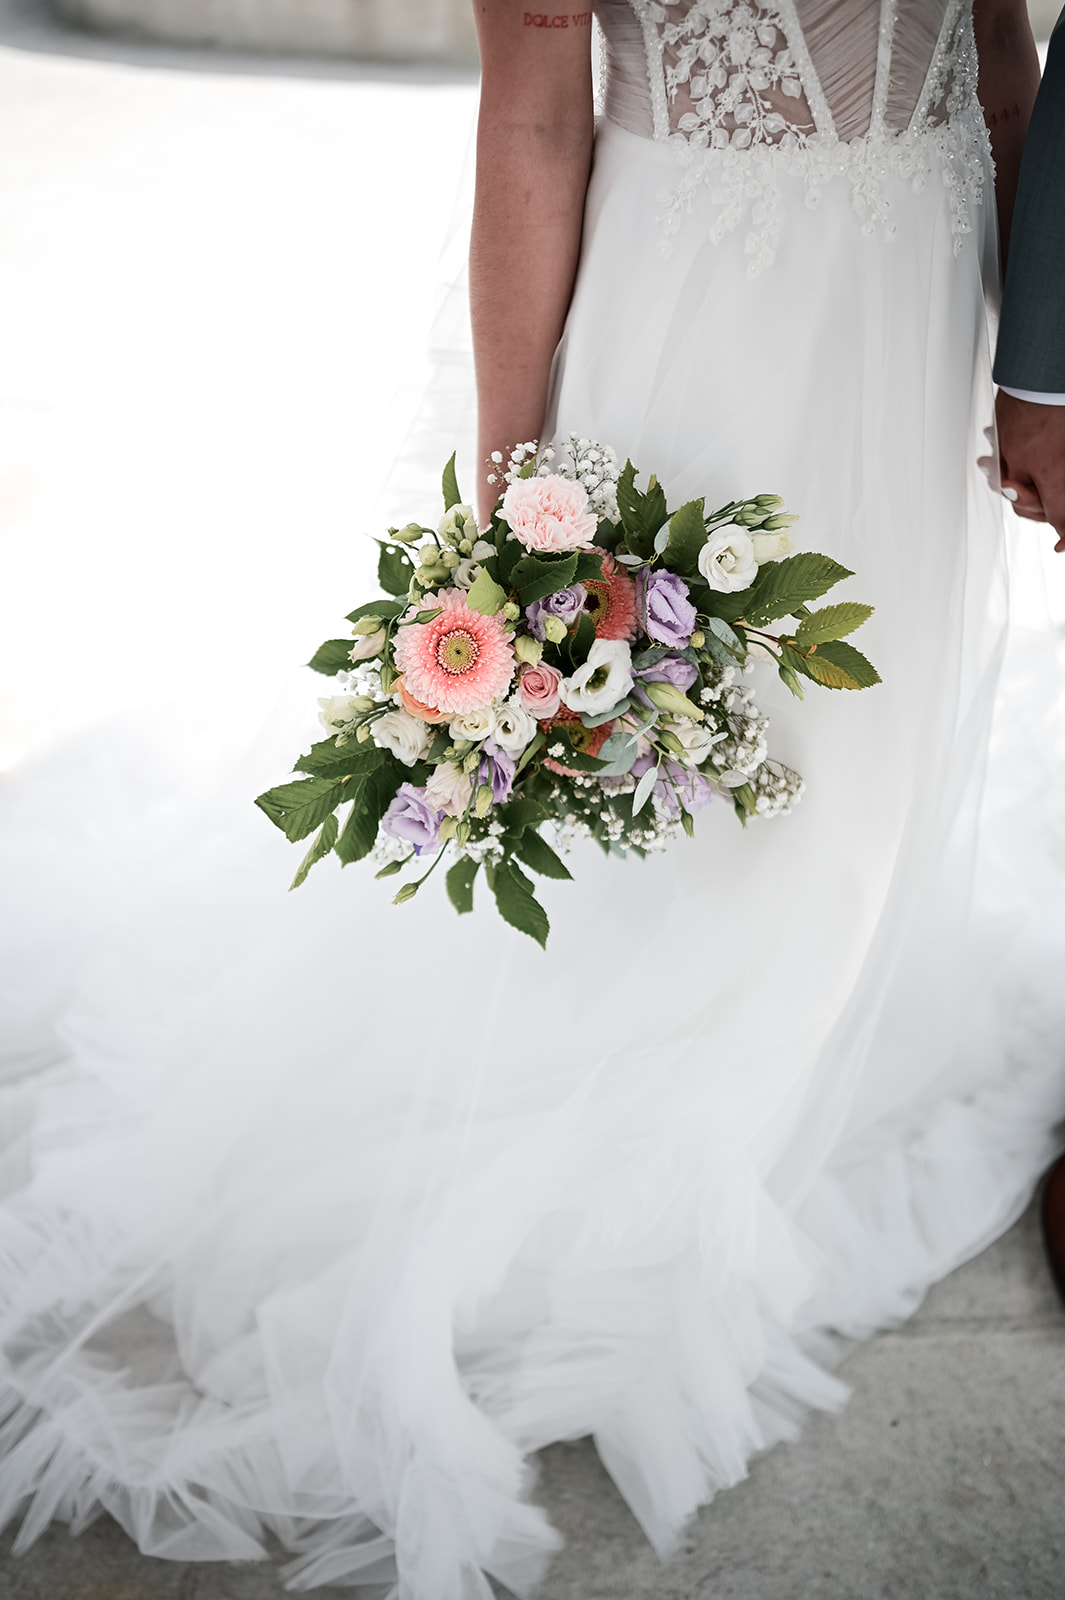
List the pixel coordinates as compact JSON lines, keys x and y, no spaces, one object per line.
{"x":676,"y":786}
{"x":410,"y":818}
{"x":497,"y":769}
{"x":565,"y":604}
{"x":663,"y":607}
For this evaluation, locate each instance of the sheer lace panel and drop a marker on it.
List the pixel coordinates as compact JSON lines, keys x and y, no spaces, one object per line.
{"x":842,"y":38}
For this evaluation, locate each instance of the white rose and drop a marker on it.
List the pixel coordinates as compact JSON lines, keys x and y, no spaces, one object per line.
{"x":727,"y":560}
{"x":337,"y":712}
{"x":697,"y":738}
{"x":604,"y":679}
{"x":459,"y":523}
{"x":474,"y":725}
{"x":448,"y":789}
{"x":770,"y":546}
{"x":465,"y":574}
{"x":407,"y":737}
{"x":515,"y":728}
{"x":367,"y":645}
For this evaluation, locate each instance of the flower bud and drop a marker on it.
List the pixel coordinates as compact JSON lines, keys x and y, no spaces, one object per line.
{"x":783,"y":519}
{"x":768,"y":502}
{"x":511,"y":611}
{"x":450,"y":559}
{"x":361,"y":702}
{"x":460,"y":747}
{"x":366,"y":625}
{"x":667,"y":697}
{"x":429,"y":554}
{"x":697,"y":640}
{"x":407,"y":535}
{"x":465,"y":547}
{"x":554,"y":629}
{"x":471,"y":761}
{"x":747,"y":517}
{"x":408,"y":891}
{"x":528,"y":649}
{"x":483,"y":803}
{"x":448,"y":828}
{"x":362,"y":732}
{"x":462,"y":833}
{"x":671,"y":742}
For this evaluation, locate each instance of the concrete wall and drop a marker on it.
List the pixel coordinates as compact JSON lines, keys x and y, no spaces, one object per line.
{"x":391,"y":30}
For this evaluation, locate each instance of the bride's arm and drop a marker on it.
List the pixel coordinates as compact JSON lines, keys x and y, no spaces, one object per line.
{"x":1009,"y":80}
{"x":534,"y":150}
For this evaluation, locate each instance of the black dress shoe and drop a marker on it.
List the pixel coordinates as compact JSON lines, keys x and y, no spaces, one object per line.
{"x":1053,"y":1214}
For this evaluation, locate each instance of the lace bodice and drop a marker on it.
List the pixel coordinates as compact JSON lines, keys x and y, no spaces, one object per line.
{"x":747,"y":89}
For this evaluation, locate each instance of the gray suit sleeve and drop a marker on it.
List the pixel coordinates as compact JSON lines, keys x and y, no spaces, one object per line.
{"x":1031,"y":340}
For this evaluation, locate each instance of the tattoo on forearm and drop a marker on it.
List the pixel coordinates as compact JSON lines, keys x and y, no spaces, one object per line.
{"x":993,"y":118}
{"x":562,"y":19}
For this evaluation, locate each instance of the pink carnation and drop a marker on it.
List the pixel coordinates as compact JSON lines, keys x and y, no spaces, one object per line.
{"x":548,"y":514}
{"x":460,"y":661}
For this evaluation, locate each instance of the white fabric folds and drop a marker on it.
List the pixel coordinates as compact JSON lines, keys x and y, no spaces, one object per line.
{"x":323,"y":1215}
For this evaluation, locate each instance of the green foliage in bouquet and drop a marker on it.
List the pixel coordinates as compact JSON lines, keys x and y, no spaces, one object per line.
{"x":580,"y":665}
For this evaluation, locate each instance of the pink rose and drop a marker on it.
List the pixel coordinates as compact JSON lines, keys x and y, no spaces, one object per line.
{"x":538,"y":690}
{"x":549,"y":514}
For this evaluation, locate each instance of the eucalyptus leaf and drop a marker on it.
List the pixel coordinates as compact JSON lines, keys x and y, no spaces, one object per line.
{"x":619,"y":753}
{"x":596,"y":719}
{"x":643,"y":790}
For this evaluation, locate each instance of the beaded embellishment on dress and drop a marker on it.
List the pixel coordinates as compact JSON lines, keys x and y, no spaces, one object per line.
{"x":733,"y":88}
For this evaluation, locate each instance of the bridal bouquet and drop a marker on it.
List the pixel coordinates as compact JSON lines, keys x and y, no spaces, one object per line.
{"x":579,"y":667}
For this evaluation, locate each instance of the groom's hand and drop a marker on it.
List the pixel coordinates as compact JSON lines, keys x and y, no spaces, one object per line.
{"x":1031,"y":442}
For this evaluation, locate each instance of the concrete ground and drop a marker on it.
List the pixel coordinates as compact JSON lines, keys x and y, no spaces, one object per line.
{"x":215,"y":275}
{"x":941,"y":1480}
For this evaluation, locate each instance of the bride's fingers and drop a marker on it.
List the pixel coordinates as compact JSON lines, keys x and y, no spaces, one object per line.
{"x":1024,"y":499}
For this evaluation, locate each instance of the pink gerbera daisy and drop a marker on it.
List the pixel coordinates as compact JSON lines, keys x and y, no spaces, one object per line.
{"x":460,"y":661}
{"x":611,"y":604}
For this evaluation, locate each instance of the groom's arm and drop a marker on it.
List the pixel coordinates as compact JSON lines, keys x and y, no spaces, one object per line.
{"x":1030,"y":359}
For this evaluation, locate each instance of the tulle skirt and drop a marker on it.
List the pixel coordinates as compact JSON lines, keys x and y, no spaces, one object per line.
{"x":323,"y":1216}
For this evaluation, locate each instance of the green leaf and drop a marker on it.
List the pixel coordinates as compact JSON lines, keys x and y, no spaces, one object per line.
{"x":782,"y":585}
{"x":377,"y":608}
{"x":832,"y":622}
{"x":394,"y":569}
{"x":459,"y":880}
{"x":522,"y":813}
{"x":332,"y":657}
{"x":641,"y":514}
{"x":687,"y":535}
{"x":619,"y":752}
{"x":485,"y":595}
{"x":517,"y":905}
{"x":327,"y":838}
{"x":371,"y":800}
{"x":535,"y":578}
{"x":531,"y":749}
{"x":589,"y":567}
{"x":837,"y":665}
{"x":326,"y":761}
{"x":728,"y":637}
{"x":643,"y":790}
{"x":510,"y":554}
{"x":580,"y":641}
{"x":298,"y":808}
{"x":538,"y":854}
{"x":451,"y":485}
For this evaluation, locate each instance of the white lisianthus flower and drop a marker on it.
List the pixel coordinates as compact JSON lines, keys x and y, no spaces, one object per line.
{"x":465,"y":574}
{"x":603,"y":680}
{"x":727,"y":560}
{"x":458,"y":523}
{"x":367,"y":645}
{"x":407,"y":737}
{"x":474,"y":725}
{"x":770,"y":546}
{"x":515,"y":728}
{"x":338,"y":711}
{"x":697,"y":738}
{"x":448,"y":789}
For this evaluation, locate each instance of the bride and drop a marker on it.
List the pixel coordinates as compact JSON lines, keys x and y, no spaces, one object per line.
{"x":336,"y":1213}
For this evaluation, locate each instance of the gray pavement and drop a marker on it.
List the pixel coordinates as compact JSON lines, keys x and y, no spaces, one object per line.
{"x":941,"y":1480}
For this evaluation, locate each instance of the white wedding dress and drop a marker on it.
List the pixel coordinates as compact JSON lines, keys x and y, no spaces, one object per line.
{"x":321,"y":1216}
